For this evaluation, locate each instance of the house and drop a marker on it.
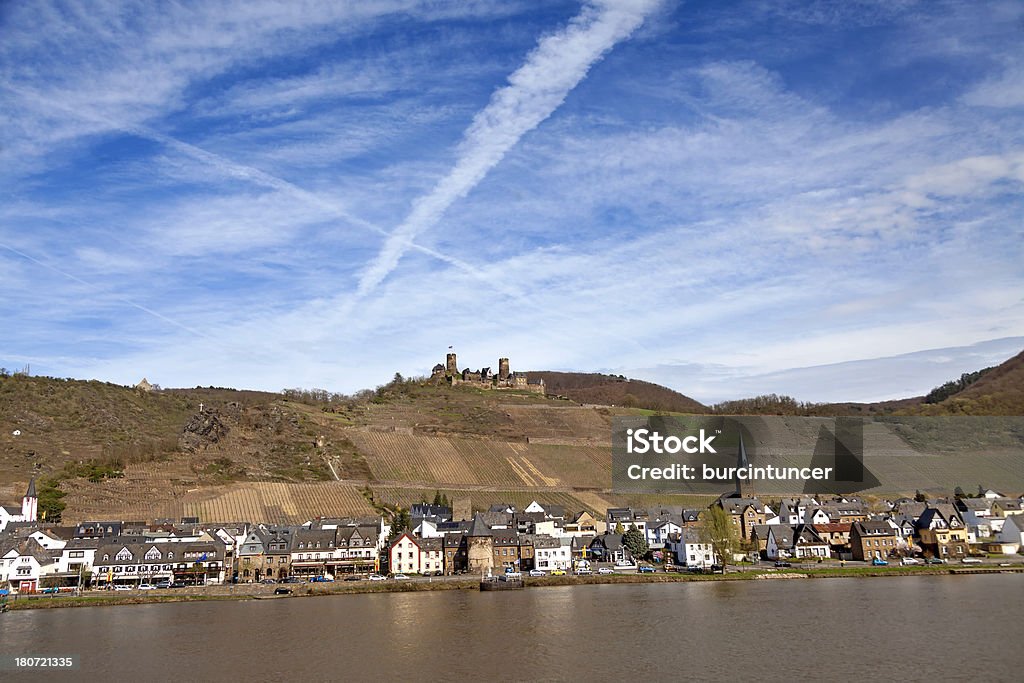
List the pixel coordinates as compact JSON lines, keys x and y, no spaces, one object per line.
{"x":942,"y":532}
{"x":745,"y":513}
{"x":551,"y":553}
{"x":250,"y":557}
{"x":584,"y":524}
{"x":24,"y":564}
{"x":356,"y":549}
{"x":845,"y":512}
{"x":312,"y":552}
{"x":837,"y":535}
{"x":411,"y":555}
{"x":795,"y":541}
{"x":128,"y":562}
{"x":75,"y":563}
{"x":873,"y":539}
{"x":1012,"y":532}
{"x":608,"y":547}
{"x":277,"y":552}
{"x":689,"y":550}
{"x":506,"y":547}
{"x":99,"y":529}
{"x":658,"y":532}
{"x":793,"y":510}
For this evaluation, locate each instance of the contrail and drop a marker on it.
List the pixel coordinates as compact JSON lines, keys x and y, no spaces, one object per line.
{"x":122,"y":299}
{"x":535,"y":90}
{"x":263,"y":179}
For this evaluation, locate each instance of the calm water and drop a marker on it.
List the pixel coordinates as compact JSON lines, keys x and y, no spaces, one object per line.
{"x":956,"y":628}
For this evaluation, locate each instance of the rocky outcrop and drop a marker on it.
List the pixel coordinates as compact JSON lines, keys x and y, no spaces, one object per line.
{"x":203,"y":430}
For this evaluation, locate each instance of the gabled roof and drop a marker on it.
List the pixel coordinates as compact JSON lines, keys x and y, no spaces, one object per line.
{"x":478,"y":527}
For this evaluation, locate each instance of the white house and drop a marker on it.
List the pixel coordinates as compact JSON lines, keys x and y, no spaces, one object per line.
{"x":550,"y":553}
{"x":1012,"y":531}
{"x":691,"y":551}
{"x":427,"y":528}
{"x":411,"y":555}
{"x":658,"y":533}
{"x":24,"y":565}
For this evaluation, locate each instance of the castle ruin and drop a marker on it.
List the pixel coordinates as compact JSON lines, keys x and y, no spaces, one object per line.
{"x":483,"y":378}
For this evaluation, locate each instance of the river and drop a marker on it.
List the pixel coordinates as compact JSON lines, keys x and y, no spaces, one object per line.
{"x":909,"y":628}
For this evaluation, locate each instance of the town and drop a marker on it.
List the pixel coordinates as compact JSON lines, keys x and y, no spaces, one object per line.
{"x":538,"y":540}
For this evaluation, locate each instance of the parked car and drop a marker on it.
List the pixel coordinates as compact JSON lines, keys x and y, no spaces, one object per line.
{"x":378,"y":577}
{"x":935,"y":560}
{"x":783,"y":563}
{"x":180,"y":584}
{"x":878,"y":562}
{"x":971,"y":560}
{"x":146,"y":587}
{"x":292,"y":579}
{"x":558,"y":572}
{"x":401,"y":577}
{"x":909,"y":561}
{"x":353,"y":578}
{"x":50,"y":590}
{"x":645,"y":570}
{"x":268,"y":581}
{"x":584,"y":572}
{"x":321,"y":579}
{"x":536,"y":572}
{"x":281,"y":590}
{"x":166,"y":583}
{"x":605,"y":570}
{"x":122,"y":587}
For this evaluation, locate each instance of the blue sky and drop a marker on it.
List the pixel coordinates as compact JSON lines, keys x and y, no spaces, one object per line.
{"x":813,"y":198}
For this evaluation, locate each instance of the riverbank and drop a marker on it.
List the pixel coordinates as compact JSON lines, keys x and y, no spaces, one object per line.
{"x":260,"y":592}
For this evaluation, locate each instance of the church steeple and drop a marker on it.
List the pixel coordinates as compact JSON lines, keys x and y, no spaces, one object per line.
{"x":744,"y":486}
{"x":30,"y":503}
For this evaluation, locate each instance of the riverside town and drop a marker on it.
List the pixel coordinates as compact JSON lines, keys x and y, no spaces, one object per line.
{"x":739,"y":533}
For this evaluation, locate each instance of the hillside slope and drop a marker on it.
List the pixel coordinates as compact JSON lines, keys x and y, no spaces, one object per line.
{"x":1000,"y":391}
{"x":616,"y":390}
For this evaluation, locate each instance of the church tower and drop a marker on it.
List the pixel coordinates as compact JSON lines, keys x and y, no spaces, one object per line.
{"x":744,"y":486}
{"x":30,"y":503}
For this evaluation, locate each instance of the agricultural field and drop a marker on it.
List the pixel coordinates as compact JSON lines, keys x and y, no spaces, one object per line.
{"x":557,"y":421}
{"x":483,"y":499}
{"x":277,"y":502}
{"x":393,"y":457}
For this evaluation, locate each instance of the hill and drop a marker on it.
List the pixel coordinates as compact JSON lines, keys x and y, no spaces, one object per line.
{"x":616,"y":390}
{"x":101,"y":450}
{"x":998,"y":391}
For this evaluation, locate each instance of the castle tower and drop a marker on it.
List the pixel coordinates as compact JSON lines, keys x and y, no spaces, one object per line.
{"x":451,"y":366}
{"x":479,"y":546}
{"x":503,"y":372}
{"x":30,"y":503}
{"x":744,"y":487}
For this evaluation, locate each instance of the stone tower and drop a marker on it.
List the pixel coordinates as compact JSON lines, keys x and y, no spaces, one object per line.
{"x":503,"y":372}
{"x":479,"y":546}
{"x":451,"y":365}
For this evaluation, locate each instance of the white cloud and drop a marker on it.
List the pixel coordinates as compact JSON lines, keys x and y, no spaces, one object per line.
{"x":535,"y":90}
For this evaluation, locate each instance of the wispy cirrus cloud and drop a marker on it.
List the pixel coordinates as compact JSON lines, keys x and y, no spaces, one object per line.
{"x":535,"y":90}
{"x":740,"y":190}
